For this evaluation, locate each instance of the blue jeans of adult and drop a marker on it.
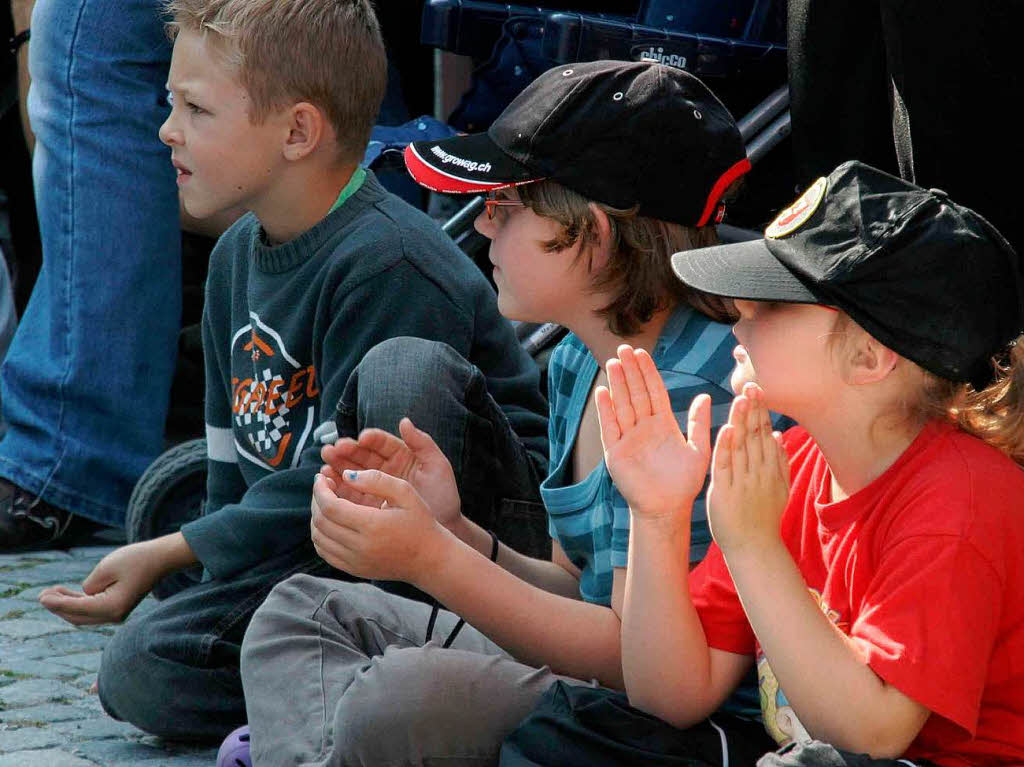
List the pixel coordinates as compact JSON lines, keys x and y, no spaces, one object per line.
{"x":86,"y":381}
{"x":8,"y":317}
{"x":174,"y":671}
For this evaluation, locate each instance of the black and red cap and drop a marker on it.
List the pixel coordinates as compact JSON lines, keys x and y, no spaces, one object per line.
{"x":620,"y":133}
{"x":930,"y":279}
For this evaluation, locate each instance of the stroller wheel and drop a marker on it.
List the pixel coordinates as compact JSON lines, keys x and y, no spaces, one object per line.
{"x":169,"y":494}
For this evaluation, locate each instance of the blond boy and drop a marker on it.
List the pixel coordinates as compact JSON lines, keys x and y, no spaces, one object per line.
{"x":272,"y":108}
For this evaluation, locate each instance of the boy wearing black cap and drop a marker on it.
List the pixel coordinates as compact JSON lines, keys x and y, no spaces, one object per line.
{"x":869,"y":559}
{"x":594,"y":176}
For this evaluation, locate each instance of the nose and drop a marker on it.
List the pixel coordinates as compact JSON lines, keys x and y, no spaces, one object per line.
{"x":744,"y":308}
{"x":169,"y":133}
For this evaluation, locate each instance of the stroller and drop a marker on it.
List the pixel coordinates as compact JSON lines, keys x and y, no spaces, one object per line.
{"x":734,"y":45}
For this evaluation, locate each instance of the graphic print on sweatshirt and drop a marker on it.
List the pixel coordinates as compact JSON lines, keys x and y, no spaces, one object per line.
{"x":274,"y":397}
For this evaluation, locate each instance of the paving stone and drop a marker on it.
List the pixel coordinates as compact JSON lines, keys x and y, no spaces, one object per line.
{"x":29,"y":737}
{"x":82,"y":640}
{"x":32,"y":692}
{"x":51,"y":572}
{"x":11,"y":651}
{"x":24,"y":628}
{"x":206,"y":759}
{"x":32,"y":557}
{"x":48,"y":757}
{"x":94,"y":553}
{"x":48,"y":712}
{"x":86,"y":661}
{"x":30,"y":593}
{"x":96,"y":729}
{"x":42,"y":658}
{"x":118,"y":751}
{"x":43,"y":669}
{"x":10,"y":604}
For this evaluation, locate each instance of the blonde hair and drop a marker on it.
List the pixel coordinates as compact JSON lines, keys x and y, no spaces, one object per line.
{"x":994,"y":414}
{"x":327,"y":52}
{"x":639,"y":271}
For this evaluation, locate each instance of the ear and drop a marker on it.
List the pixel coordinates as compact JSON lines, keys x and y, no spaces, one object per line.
{"x":870,"y":361}
{"x":307,"y":127}
{"x":601,"y":250}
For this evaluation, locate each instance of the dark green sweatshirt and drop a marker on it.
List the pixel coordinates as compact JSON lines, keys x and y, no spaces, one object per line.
{"x":284,"y":326}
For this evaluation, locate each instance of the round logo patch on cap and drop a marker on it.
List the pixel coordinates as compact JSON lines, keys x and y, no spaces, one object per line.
{"x":796,"y":215}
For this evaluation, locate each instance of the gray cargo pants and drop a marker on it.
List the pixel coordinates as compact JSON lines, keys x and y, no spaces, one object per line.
{"x":341,"y":673}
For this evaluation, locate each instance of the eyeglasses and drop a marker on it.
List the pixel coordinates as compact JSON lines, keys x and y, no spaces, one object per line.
{"x":491,"y":202}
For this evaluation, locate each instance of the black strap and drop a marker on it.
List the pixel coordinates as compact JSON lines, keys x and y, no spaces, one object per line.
{"x":458,"y":626}
{"x":431,"y":622}
{"x":14,"y":43}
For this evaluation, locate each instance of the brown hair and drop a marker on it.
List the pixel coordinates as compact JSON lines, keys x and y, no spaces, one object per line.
{"x":327,"y":52}
{"x":995,"y":414}
{"x":639,"y":271}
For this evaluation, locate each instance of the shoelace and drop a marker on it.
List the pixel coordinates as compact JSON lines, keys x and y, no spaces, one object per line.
{"x":30,"y":507}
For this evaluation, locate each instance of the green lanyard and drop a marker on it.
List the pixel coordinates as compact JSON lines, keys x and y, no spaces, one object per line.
{"x":358,"y":176}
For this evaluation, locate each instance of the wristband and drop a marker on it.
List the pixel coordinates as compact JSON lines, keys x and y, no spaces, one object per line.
{"x":494,"y":546}
{"x":15,"y":43}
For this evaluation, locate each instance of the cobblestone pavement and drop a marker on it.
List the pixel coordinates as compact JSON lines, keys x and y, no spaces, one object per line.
{"x":48,"y":717}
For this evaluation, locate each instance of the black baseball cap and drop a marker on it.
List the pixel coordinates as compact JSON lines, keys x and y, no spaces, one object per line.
{"x":930,"y":279}
{"x":621,"y":133}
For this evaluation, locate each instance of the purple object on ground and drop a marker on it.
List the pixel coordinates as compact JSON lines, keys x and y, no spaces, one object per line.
{"x":234,"y":751}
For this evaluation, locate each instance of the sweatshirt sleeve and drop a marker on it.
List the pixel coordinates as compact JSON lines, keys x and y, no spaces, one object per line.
{"x":272,"y":518}
{"x":224,"y":480}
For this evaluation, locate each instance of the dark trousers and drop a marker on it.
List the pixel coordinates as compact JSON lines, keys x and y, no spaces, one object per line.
{"x":174,"y":671}
{"x":918,"y":88}
{"x":573,"y":725}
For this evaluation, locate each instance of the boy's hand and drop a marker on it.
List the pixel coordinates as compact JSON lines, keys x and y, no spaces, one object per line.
{"x":118,"y":582}
{"x":397,"y":540}
{"x":416,"y":458}
{"x":749,"y":476}
{"x":658,"y":470}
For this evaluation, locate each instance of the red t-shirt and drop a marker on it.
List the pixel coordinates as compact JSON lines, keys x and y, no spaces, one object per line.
{"x":924,"y":568}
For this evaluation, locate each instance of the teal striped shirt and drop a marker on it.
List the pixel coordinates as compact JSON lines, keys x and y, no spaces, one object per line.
{"x":590,"y":519}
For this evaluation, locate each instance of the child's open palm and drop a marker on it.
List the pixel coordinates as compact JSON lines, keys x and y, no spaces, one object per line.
{"x":749,"y":475}
{"x":656,"y":468}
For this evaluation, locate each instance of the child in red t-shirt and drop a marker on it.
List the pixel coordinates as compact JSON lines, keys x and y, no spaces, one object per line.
{"x":870,"y":560}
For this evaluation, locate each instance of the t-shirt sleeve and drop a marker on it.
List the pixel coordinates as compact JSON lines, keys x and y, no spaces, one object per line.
{"x":928,"y":621}
{"x":718,"y":606}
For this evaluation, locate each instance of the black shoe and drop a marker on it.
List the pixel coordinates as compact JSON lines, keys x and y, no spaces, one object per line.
{"x":28,"y":523}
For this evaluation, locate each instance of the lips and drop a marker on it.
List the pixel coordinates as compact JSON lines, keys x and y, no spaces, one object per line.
{"x":183,"y":172}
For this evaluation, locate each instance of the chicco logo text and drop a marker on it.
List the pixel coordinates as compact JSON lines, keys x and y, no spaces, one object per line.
{"x":659,"y":56}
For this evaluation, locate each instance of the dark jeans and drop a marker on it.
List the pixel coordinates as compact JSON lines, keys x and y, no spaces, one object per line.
{"x":597,"y":727}
{"x":174,"y":671}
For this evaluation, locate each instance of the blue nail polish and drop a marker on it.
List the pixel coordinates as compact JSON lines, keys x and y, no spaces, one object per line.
{"x":353,"y":475}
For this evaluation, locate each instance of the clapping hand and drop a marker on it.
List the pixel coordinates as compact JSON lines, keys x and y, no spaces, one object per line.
{"x":656,"y":468}
{"x":395,"y":537}
{"x":414,"y":457}
{"x":749,"y":475}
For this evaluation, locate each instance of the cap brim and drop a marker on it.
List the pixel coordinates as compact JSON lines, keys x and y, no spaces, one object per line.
{"x":464,"y":165}
{"x":741,"y":270}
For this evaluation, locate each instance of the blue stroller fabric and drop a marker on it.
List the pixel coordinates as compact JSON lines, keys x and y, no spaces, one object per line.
{"x":516,"y":62}
{"x":384,"y":154}
{"x":385,"y":138}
